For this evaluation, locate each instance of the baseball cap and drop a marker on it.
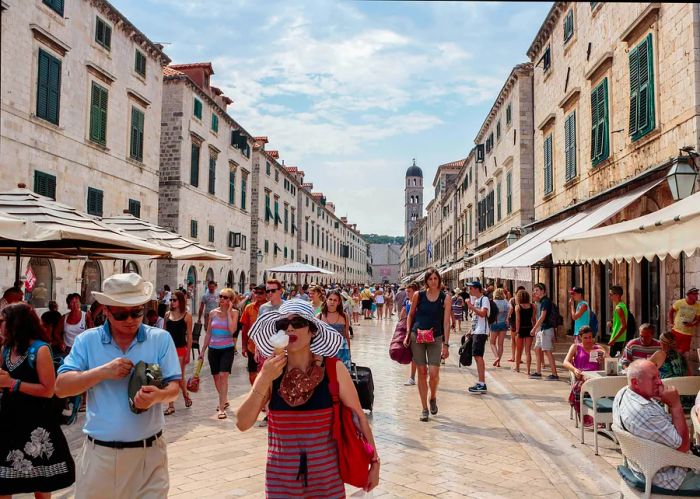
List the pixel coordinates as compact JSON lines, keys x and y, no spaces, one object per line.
{"x":474,"y":284}
{"x":577,"y":289}
{"x":692,"y":291}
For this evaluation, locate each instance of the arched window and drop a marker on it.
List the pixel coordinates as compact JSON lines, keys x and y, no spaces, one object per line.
{"x":92,"y":281}
{"x":210,"y":276}
{"x":414,"y":181}
{"x":42,"y":292}
{"x":229,"y":279}
{"x":132,"y":266}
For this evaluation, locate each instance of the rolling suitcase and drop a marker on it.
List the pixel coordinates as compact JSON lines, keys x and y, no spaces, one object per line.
{"x":364,"y":384}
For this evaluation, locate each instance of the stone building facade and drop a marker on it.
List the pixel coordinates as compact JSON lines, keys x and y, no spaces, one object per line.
{"x":386,"y":261}
{"x":81,"y":93}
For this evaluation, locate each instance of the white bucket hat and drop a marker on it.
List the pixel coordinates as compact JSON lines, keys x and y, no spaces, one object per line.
{"x":124,"y":290}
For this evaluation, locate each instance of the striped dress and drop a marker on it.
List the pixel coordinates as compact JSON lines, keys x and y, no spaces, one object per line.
{"x":302,"y":457}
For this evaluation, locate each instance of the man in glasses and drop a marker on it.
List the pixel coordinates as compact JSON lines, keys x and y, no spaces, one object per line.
{"x":273,"y":293}
{"x":101,"y":362}
{"x":250,"y":315}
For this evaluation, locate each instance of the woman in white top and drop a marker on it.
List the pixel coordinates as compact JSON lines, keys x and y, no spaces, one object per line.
{"x":379,"y":302}
{"x":75,"y":322}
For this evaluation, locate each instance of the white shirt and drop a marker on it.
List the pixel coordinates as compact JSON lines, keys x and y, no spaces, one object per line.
{"x":480,"y":324}
{"x":167,"y":297}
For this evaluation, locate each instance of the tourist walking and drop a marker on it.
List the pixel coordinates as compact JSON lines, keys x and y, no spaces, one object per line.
{"x":333,"y":315}
{"x":428,"y":324}
{"x":178,"y":322}
{"x":317,"y":294}
{"x":411,"y":289}
{"x":366,"y":297}
{"x":684,"y":318}
{"x":457,"y":311}
{"x":544,"y":333}
{"x":379,"y":301}
{"x":223,"y":323}
{"x":524,"y":324}
{"x":75,"y":322}
{"x":618,"y":326}
{"x":579,"y":309}
{"x":356,"y":306}
{"x":399,"y":299}
{"x":584,"y":355}
{"x":479,"y":305}
{"x":248,"y":318}
{"x":511,"y":323}
{"x":497,"y":330}
{"x":273,"y":294}
{"x":34,"y":452}
{"x":302,"y":458}
{"x":389,"y":302}
{"x":124,"y":454}
{"x":208,"y":302}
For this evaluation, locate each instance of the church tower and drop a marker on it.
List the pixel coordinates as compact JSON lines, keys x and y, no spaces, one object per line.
{"x":414,"y":196}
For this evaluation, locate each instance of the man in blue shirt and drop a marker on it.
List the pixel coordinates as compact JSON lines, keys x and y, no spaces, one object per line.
{"x":124,"y":454}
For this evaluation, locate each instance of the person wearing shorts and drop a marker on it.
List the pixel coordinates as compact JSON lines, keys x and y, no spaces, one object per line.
{"x":544,"y":333}
{"x":479,"y":305}
{"x":366,"y":296}
{"x":250,"y":315}
{"x":684,"y":318}
{"x":178,"y":322}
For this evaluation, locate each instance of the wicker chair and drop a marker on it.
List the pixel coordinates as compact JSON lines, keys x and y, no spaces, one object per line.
{"x":650,"y":457}
{"x":686,"y":385}
{"x":599,"y":405}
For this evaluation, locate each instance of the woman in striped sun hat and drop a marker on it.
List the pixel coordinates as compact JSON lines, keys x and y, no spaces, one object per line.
{"x":296,"y":385}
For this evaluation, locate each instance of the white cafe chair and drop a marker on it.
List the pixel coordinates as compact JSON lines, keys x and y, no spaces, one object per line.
{"x":696,"y":423}
{"x":601,"y":392}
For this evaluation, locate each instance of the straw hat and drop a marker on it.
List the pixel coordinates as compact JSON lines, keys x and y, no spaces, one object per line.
{"x":124,"y":290}
{"x":325,"y":342}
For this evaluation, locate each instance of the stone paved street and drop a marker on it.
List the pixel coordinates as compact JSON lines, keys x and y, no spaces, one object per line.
{"x":517,"y":441}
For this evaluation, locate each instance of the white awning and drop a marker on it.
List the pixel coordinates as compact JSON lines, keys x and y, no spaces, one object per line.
{"x":455,"y":266}
{"x":669,"y":231}
{"x":471,"y":272}
{"x":516,"y":261}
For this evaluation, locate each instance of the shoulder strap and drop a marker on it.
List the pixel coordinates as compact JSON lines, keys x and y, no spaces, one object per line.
{"x":442,"y":297}
{"x":33,"y":349}
{"x":333,"y":386}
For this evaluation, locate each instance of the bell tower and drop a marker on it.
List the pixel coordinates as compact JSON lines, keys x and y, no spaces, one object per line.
{"x":414,"y":196}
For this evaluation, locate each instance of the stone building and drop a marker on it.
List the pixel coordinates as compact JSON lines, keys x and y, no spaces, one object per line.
{"x":81,"y":93}
{"x":386,"y":261}
{"x":205,"y":176}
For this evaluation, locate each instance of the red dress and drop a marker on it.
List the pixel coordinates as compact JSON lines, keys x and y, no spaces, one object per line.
{"x":302,"y":457}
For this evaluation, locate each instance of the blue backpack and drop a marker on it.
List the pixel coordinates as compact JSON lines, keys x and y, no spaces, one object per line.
{"x":593,"y":322}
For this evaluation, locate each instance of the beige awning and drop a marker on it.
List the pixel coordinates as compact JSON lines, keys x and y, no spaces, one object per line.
{"x":471,"y":272}
{"x":516,"y":261}
{"x":455,"y":266}
{"x":669,"y":231}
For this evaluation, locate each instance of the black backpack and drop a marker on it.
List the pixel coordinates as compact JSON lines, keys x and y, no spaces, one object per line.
{"x":493,"y":312}
{"x":557,"y":320}
{"x":631,"y":326}
{"x":465,"y":351}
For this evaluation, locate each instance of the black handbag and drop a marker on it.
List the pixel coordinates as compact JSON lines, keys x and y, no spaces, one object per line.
{"x":465,"y":351}
{"x":144,"y":374}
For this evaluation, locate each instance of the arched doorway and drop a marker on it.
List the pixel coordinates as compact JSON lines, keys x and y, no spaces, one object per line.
{"x":91,"y":281}
{"x":210,"y":276}
{"x":192,"y":287}
{"x":132,"y":266}
{"x":42,"y":291}
{"x":241,"y":283}
{"x":229,"y":279}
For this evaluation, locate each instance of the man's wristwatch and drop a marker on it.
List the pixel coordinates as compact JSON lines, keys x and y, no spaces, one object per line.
{"x":444,"y":343}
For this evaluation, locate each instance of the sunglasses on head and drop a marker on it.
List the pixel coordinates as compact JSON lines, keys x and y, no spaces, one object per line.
{"x":122,"y":316}
{"x":295,"y":322}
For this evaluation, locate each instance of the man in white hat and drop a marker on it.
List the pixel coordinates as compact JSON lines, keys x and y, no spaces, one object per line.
{"x":124,"y":454}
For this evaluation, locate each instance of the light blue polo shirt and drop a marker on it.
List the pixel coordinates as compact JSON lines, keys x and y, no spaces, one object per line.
{"x":108,"y":415}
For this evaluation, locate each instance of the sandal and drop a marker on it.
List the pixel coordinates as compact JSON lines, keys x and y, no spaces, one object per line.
{"x":169,"y":411}
{"x":222,"y":415}
{"x":188,"y":401}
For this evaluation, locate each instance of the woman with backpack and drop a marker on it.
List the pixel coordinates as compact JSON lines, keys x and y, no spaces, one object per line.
{"x":498,"y":328}
{"x":429,"y":325}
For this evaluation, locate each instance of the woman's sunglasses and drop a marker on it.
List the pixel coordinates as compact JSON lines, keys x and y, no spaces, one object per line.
{"x":224,"y":297}
{"x":122,"y":316}
{"x":296,"y":323}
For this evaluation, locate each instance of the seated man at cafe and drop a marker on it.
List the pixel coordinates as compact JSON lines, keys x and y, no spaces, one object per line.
{"x":640,"y":348}
{"x":638,"y":409}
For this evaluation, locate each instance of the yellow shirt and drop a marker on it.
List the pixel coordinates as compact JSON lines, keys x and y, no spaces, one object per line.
{"x":685,"y":313}
{"x":366,"y":294}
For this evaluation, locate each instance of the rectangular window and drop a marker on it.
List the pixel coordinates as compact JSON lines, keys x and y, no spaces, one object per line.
{"x":214,"y":122}
{"x":570,"y":145}
{"x":490,"y":212}
{"x":244,"y":242}
{"x":509,"y":114}
{"x":498,"y":130}
{"x":55,"y":5}
{"x":140,"y":63}
{"x":285,"y":252}
{"x":277,"y":176}
{"x":98,"y":114}
{"x":48,"y":91}
{"x":641,"y":65}
{"x":212,"y":175}
{"x":136,"y":148}
{"x":568,"y":26}
{"x":94,"y":201}
{"x":292,"y":255}
{"x":194,"y":166}
{"x":267,"y":168}
{"x":45,"y":184}
{"x":498,"y":202}
{"x":103,"y":33}
{"x":268,"y":207}
{"x":600,"y":142}
{"x":306,"y":231}
{"x":277,"y":211}
{"x":286,"y":219}
{"x":546,"y":60}
{"x":294,"y":221}
{"x":267,"y":246}
{"x":211,"y":233}
{"x":135,"y":208}
{"x":548,"y":174}
{"x":509,"y":193}
{"x":197,"y":108}
{"x":232,"y":187}
{"x":193,"y":228}
{"x":244,"y":182}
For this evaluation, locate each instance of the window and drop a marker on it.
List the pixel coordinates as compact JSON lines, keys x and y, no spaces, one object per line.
{"x":277,"y":211}
{"x":286,"y":218}
{"x":136,"y":149}
{"x":244,"y":182}
{"x":570,"y":145}
{"x":45,"y":184}
{"x":55,"y":5}
{"x":140,"y":63}
{"x":509,"y":115}
{"x":292,"y":255}
{"x":197,"y":108}
{"x":98,"y":114}
{"x":546,"y":60}
{"x":135,"y":208}
{"x":285,"y":252}
{"x":306,"y":231}
{"x":48,"y":91}
{"x":244,"y":242}
{"x":232,"y":187}
{"x":568,"y":26}
{"x":211,"y":233}
{"x":103,"y":33}
{"x":267,"y":168}
{"x":94,"y":201}
{"x":194,"y":165}
{"x":509,"y":193}
{"x":214,"y":122}
{"x":294,"y":220}
{"x":267,"y":246}
{"x":212,"y":175}
{"x":498,"y":202}
{"x":193,"y":228}
{"x":548,"y":174}
{"x":641,"y":64}
{"x":498,"y":131}
{"x":600,"y":144}
{"x":277,"y":176}
{"x":268,"y":209}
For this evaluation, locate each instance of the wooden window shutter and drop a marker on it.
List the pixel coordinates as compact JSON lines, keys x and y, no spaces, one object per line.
{"x":570,"y":145}
{"x":98,"y":114}
{"x":641,"y":67}
{"x":137,"y":122}
{"x":548,"y":174}
{"x":197,"y":108}
{"x":212,"y":176}
{"x":231,"y":187}
{"x":94,"y":201}
{"x":48,"y":87}
{"x":634,"y":90}
{"x":194,"y":166}
{"x":600,"y":146}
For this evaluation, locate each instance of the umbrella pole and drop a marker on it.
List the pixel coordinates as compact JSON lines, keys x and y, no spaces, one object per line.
{"x":18,"y":257}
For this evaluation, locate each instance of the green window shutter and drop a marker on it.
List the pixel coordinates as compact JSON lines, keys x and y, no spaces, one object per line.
{"x":98,"y":114}
{"x":498,"y":130}
{"x":570,"y":145}
{"x":140,"y":63}
{"x":45,"y":184}
{"x":268,"y":211}
{"x":55,"y":5}
{"x":194,"y":166}
{"x":212,"y":176}
{"x":243,"y":192}
{"x":214,"y":122}
{"x":568,"y":25}
{"x":193,"y":228}
{"x":48,"y":87}
{"x":211,"y":233}
{"x":498,"y":202}
{"x":231,"y":187}
{"x":197,"y":108}
{"x":509,"y":193}
{"x":548,"y":174}
{"x":235,"y":137}
{"x":135,"y":208}
{"x":136,"y":146}
{"x":600,"y":140}
{"x":641,"y":65}
{"x":509,"y":115}
{"x":94,"y":201}
{"x":286,"y":219}
{"x":103,"y":33}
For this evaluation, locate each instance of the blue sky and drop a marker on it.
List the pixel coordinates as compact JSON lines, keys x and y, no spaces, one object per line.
{"x":352,"y":91}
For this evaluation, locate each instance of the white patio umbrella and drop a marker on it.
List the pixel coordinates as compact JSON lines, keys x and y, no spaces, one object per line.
{"x":299,"y":268}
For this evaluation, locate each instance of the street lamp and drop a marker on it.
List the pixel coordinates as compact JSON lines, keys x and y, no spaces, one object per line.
{"x":682,"y":176}
{"x":512,"y":236}
{"x":259,"y":256}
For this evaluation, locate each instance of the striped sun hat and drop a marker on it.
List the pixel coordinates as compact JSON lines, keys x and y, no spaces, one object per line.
{"x":325,"y":342}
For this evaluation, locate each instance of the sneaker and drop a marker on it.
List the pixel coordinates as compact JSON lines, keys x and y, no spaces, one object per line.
{"x":424,"y":415}
{"x":410,"y":382}
{"x":433,"y":407}
{"x":552,"y":377}
{"x":536,"y":376}
{"x":263,"y":423}
{"x":478,"y":388}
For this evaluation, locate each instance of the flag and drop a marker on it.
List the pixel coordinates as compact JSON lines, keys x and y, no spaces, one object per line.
{"x":31,"y":279}
{"x":429,"y":249}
